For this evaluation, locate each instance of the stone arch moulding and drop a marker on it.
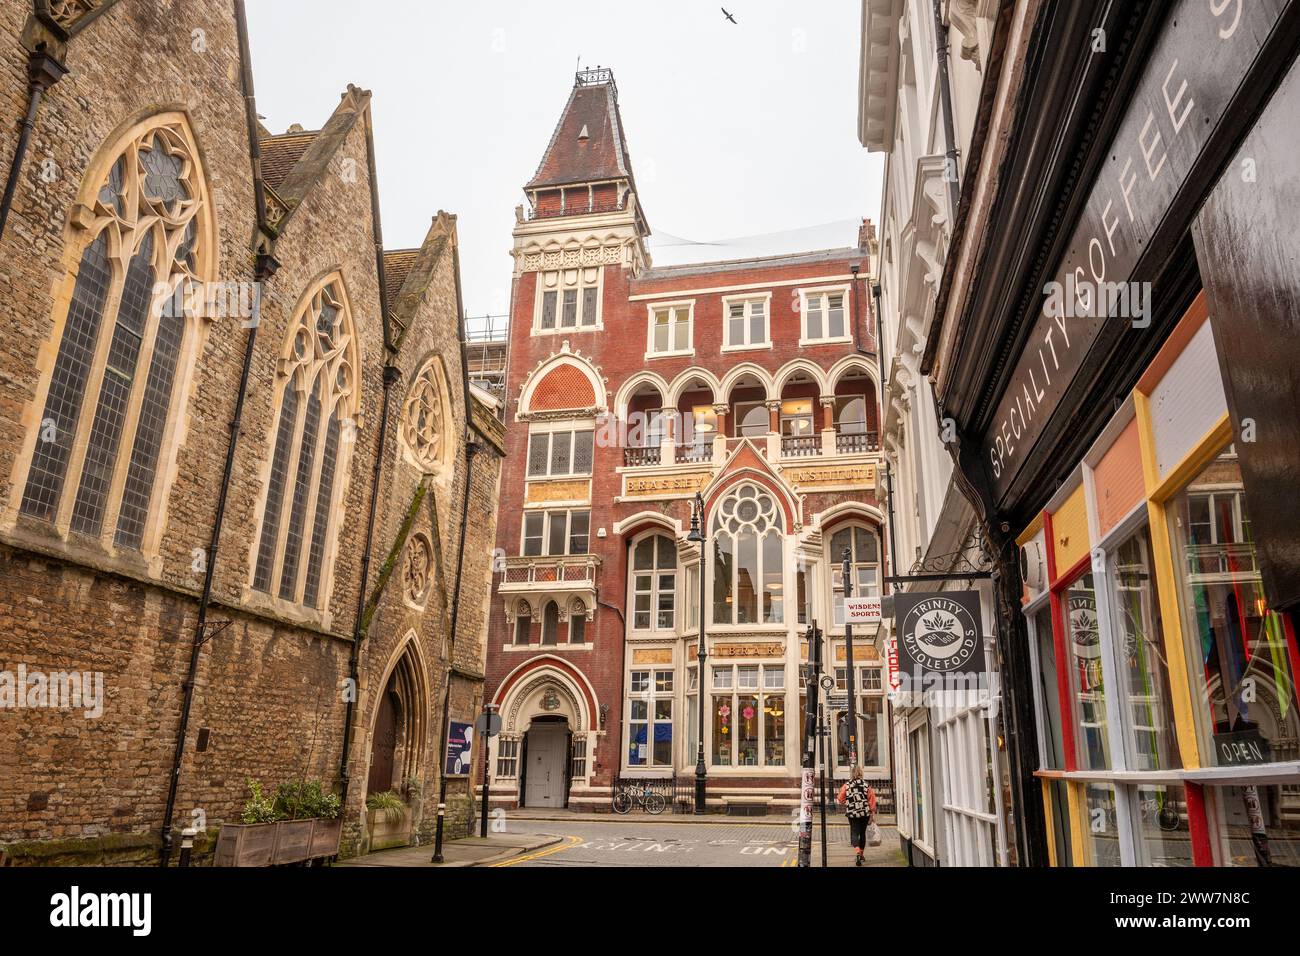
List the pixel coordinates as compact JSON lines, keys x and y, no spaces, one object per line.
{"x":800,"y":365}
{"x":837,"y":371}
{"x":682,"y":379}
{"x":632,"y":383}
{"x":529,"y":676}
{"x":849,"y":511}
{"x":738,"y":372}
{"x":565,"y":357}
{"x":406,"y":664}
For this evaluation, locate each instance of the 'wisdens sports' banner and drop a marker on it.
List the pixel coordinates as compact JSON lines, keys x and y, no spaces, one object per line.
{"x":938,"y":633}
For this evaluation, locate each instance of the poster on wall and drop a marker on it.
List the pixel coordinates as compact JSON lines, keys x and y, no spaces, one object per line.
{"x":460,"y":739}
{"x":940,"y":643}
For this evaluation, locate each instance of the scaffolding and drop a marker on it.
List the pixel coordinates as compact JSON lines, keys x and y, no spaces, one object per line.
{"x":486,"y":341}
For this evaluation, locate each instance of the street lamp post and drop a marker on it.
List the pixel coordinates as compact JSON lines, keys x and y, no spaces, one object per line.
{"x":699,"y":534}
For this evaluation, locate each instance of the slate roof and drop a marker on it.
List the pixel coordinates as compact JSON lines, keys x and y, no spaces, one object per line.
{"x":397,"y":266}
{"x":281,"y":153}
{"x":602,"y":154}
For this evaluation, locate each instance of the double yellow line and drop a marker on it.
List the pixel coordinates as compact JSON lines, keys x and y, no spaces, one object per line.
{"x":573,"y":841}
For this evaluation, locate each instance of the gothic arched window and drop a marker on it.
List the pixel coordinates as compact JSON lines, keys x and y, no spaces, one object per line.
{"x":113,"y":393}
{"x":748,"y":567}
{"x":309,"y":463}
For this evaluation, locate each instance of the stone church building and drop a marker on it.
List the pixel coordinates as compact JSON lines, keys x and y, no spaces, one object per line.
{"x":246,"y":488}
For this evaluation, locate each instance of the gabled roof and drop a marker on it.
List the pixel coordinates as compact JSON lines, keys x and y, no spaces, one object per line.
{"x":571,"y":156}
{"x":280,"y":154}
{"x":397,"y":265}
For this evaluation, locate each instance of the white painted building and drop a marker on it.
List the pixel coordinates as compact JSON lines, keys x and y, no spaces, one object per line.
{"x":949,"y":766}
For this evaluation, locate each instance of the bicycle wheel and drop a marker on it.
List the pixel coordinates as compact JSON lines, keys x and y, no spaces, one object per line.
{"x":655,"y":803}
{"x":622,"y":802}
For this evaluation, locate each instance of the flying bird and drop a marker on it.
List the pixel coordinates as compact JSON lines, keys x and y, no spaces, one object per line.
{"x":728,"y":16}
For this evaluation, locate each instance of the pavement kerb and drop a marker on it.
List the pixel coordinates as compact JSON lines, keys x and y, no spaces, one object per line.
{"x":512,"y":852}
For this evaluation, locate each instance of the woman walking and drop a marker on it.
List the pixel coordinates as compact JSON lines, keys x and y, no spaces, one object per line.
{"x":859,"y":801}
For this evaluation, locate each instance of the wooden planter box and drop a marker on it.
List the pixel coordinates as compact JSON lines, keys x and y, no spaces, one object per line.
{"x":245,"y":844}
{"x":292,"y":841}
{"x":385,"y":833}
{"x":267,"y":844}
{"x":325,"y":837}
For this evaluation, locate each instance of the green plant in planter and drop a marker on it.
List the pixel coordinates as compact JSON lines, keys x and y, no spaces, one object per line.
{"x":388,"y":803}
{"x":305,"y":799}
{"x":261,"y":808}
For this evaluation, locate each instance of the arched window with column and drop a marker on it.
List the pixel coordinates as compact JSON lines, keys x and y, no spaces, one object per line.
{"x":113,"y":391}
{"x":309,"y":463}
{"x":748,"y":564}
{"x":864,"y":563}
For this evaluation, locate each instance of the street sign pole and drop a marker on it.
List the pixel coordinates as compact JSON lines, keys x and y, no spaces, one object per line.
{"x":847,"y":571}
{"x":488,"y":726}
{"x":807,"y":782}
{"x":822,"y":733}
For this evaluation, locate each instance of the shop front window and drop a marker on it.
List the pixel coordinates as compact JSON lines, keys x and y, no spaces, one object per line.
{"x":1139,"y":647}
{"x":1049,"y":691}
{"x":1100,"y":825}
{"x":748,"y":719}
{"x":1083,"y":645}
{"x":650,"y":718}
{"x":1164,"y":837}
{"x":1242,"y":654}
{"x":1256,"y":825}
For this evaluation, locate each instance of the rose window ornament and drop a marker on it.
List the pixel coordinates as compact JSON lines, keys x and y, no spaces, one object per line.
{"x":424,"y":419}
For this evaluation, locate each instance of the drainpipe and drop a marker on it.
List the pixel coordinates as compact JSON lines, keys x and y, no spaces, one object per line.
{"x":945,"y":100}
{"x":880,"y":423}
{"x":43,"y":71}
{"x":471,"y":447}
{"x":266,"y":266}
{"x":391,"y":375}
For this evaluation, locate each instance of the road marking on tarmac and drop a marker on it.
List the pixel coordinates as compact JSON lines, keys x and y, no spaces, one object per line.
{"x":573,"y":841}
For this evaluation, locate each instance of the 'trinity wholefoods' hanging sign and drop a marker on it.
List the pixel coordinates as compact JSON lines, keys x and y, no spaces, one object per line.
{"x":938,"y":633}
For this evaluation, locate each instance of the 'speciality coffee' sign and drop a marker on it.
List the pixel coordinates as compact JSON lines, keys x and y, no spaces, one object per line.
{"x":1204,"y":52}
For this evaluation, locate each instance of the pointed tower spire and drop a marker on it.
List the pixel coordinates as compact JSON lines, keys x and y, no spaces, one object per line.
{"x":586,"y":168}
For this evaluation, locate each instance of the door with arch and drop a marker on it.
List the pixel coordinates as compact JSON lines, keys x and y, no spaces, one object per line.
{"x":547,"y":749}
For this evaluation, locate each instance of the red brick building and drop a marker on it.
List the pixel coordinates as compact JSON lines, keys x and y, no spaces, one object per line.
{"x":629,"y":389}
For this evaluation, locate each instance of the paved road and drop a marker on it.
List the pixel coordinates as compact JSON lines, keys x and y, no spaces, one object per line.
{"x":642,"y":842}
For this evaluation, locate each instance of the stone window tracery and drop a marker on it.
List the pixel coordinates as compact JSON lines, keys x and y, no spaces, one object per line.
{"x":309,"y":461}
{"x":117,"y":381}
{"x":426,"y":418}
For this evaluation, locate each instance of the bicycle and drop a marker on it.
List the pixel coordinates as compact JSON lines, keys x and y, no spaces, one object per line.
{"x":650,"y":801}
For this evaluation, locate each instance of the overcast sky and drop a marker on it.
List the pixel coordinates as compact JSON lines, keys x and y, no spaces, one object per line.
{"x":742,"y":137}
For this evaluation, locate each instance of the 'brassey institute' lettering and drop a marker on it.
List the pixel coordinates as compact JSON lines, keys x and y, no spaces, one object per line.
{"x":1199,"y":61}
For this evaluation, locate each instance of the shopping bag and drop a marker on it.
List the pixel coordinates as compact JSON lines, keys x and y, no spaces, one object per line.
{"x":873,"y":834}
